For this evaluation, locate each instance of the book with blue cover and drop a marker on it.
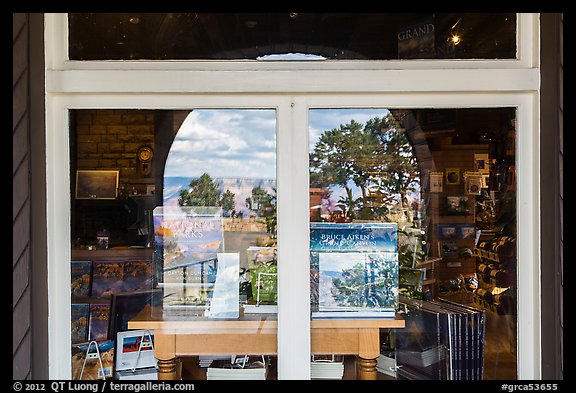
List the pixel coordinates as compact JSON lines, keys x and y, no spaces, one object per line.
{"x":353,"y":237}
{"x":188,"y":239}
{"x":357,"y":270}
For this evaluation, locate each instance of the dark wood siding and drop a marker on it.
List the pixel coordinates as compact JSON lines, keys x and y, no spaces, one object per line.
{"x":552,"y":194}
{"x":21,"y":294}
{"x":561,"y":189}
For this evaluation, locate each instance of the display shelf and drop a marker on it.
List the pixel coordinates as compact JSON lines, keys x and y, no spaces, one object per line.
{"x":112,"y":253}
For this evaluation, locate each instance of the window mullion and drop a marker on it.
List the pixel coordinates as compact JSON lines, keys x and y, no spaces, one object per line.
{"x":293,"y":254}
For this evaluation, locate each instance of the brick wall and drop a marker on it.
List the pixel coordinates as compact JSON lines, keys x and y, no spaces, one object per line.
{"x":110,"y":138}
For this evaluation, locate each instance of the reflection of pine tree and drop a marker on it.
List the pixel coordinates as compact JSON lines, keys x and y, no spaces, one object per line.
{"x":368,"y":284}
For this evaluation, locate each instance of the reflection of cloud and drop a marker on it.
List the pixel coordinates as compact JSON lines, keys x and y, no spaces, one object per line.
{"x":225,"y":142}
{"x":242,"y":142}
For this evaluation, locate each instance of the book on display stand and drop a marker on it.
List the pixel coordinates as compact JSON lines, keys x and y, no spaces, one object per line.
{"x":357,"y":265}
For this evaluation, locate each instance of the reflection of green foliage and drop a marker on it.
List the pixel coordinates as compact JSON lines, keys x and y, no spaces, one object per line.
{"x":376,"y":156}
{"x":410,"y":282}
{"x":410,"y":253}
{"x":227,"y":201}
{"x":367,"y":285}
{"x":410,"y":242}
{"x":204,"y":192}
{"x":349,"y":204}
{"x":268,"y":284}
{"x":262,"y":202}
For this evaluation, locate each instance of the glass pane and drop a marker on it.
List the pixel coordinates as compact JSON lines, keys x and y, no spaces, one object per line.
{"x":413,"y":212}
{"x":174,"y":220}
{"x":291,"y":36}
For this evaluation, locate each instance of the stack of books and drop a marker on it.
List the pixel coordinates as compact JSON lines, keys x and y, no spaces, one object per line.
{"x":386,"y":364}
{"x":331,"y":368}
{"x":206,"y":360}
{"x":253,"y":369}
{"x":443,"y":340}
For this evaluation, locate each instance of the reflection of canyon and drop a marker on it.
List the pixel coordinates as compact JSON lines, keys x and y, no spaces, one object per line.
{"x":241,"y":187}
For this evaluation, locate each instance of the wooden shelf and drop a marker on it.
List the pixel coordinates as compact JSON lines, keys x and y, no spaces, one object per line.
{"x":151,"y":319}
{"x":112,"y":253}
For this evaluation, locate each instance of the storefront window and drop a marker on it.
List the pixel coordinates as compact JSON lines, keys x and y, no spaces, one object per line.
{"x":291,"y":36}
{"x":174,"y":219}
{"x":413,"y":217}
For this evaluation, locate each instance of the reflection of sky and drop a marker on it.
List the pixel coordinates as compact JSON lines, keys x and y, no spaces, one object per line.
{"x":321,"y":120}
{"x":291,"y":56}
{"x":225,"y":143}
{"x":241,"y":143}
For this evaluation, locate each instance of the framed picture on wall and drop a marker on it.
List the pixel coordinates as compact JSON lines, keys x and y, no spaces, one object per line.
{"x":436,"y":181}
{"x":457,"y":205}
{"x":97,"y":184}
{"x":452,"y":176}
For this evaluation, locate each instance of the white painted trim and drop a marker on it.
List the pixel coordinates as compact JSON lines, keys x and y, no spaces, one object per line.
{"x":58,"y":239}
{"x":57,"y":56}
{"x":264,"y":82}
{"x":293,"y":244}
{"x":528,"y":237}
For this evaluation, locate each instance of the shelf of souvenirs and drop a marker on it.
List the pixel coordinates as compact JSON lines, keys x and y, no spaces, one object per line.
{"x":489,"y":255}
{"x":429,"y":264}
{"x":500,"y":249}
{"x":114,"y":253}
{"x":499,"y":300}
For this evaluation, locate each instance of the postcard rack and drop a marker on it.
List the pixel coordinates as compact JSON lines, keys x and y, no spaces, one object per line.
{"x":93,"y":356}
{"x":143,"y":344}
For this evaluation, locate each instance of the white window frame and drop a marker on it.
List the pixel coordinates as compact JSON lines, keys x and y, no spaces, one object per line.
{"x":292,"y":88}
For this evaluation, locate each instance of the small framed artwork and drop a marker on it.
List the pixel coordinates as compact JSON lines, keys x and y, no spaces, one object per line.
{"x":447,"y":231}
{"x":452,"y":176}
{"x":457,"y":205}
{"x":96,"y":184}
{"x":467,"y":231}
{"x":482,"y":163}
{"x":472,"y":183}
{"x":436,"y":181}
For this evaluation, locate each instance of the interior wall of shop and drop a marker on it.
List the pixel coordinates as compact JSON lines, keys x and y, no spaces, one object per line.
{"x":552,"y":194}
{"x":30,"y":288}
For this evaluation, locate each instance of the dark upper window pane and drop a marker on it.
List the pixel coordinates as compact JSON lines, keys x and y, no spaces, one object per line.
{"x":290,"y":36}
